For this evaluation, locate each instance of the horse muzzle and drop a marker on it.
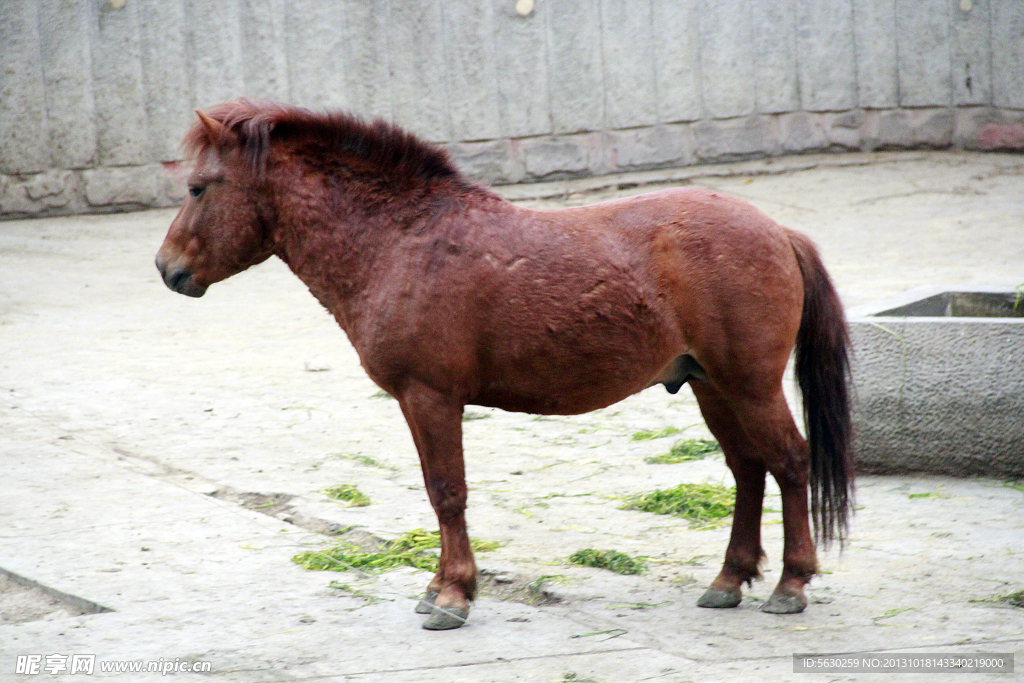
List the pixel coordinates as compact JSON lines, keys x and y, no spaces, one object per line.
{"x":180,"y":279}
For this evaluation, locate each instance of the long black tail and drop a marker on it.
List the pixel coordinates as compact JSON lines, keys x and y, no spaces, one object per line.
{"x":823,"y":371}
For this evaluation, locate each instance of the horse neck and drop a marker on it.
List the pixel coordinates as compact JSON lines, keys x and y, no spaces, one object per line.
{"x":336,"y":239}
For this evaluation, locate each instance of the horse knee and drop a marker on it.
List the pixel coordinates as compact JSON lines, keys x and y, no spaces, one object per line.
{"x":448,"y":500}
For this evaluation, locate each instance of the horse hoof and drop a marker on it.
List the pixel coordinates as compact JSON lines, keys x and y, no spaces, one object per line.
{"x":426,"y":603}
{"x":784,"y":604}
{"x":715,"y":598}
{"x":445,"y":618}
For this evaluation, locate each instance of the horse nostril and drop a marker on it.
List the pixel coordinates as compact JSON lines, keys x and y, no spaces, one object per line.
{"x":176,"y":279}
{"x":162,"y":267}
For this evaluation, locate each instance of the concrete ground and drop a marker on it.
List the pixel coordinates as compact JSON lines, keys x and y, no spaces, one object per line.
{"x":165,"y":458}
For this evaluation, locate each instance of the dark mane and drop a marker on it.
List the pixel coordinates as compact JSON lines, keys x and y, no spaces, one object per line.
{"x":389,"y":150}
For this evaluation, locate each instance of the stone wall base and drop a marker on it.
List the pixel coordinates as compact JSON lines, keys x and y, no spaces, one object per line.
{"x":534,"y":159}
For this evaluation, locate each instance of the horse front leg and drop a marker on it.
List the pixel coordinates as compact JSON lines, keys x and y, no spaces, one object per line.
{"x":436,"y":424}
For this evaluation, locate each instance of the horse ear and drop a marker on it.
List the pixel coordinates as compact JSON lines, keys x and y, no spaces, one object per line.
{"x":215,"y":128}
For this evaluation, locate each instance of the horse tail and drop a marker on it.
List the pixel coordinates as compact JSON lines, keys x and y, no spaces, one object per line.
{"x":823,"y":372}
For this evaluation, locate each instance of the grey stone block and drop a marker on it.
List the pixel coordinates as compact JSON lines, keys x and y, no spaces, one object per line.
{"x":313,"y":54}
{"x":24,"y":140}
{"x":630,"y":97}
{"x":521,"y":70}
{"x":826,"y":56}
{"x":844,"y":129}
{"x":875,"y":44}
{"x":970,"y":52}
{"x":802,"y":132}
{"x":416,"y":56}
{"x":214,"y":51}
{"x":775,"y":68}
{"x":732,"y":138}
{"x":670,"y":144}
{"x":560,"y":156}
{"x":134,"y":185}
{"x":14,"y":199}
{"x":493,"y":161}
{"x":121,"y":126}
{"x":989,"y":129}
{"x":165,"y":75}
{"x":727,"y":59}
{"x":935,"y":393}
{"x":366,"y":63}
{"x":67,"y":69}
{"x":264,"y":61}
{"x":1008,"y":53}
{"x":37,"y":193}
{"x":915,"y":128}
{"x":575,"y":81}
{"x":924,"y":52}
{"x":676,"y":38}
{"x":470,"y":67}
{"x":51,"y":188}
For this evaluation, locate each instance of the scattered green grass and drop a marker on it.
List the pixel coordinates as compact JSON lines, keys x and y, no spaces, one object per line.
{"x":365,"y":460}
{"x":1016,"y":485}
{"x":412,"y":549}
{"x":685,"y":451}
{"x":367,"y":598}
{"x":648,"y":434}
{"x":698,"y":503}
{"x":928,"y":494}
{"x":348,"y":493}
{"x":1015,"y":599}
{"x":612,"y":560}
{"x":638,"y":605}
{"x":889,"y":614}
{"x":383,"y":395}
{"x":469,"y":416}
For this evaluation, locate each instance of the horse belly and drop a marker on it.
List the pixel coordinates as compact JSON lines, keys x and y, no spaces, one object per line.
{"x":564,"y":378}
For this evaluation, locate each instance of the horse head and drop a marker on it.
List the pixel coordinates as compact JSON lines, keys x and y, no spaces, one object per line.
{"x":219,"y":230}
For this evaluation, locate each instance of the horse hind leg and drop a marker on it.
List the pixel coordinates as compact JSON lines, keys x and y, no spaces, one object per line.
{"x":744,"y":553}
{"x":771,"y":438}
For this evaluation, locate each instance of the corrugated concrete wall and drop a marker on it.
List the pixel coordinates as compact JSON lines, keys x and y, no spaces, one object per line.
{"x":96,"y":94}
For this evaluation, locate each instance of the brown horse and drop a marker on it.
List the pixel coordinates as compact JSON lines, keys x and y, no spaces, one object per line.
{"x":453,"y":296}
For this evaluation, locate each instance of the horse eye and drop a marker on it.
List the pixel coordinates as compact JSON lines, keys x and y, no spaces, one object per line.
{"x":195,"y":191}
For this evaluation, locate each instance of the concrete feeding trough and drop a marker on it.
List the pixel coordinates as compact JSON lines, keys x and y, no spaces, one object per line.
{"x":939,"y":380}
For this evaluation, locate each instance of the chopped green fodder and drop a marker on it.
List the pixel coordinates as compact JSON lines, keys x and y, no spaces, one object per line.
{"x":349,"y":493}
{"x":613,"y":560}
{"x":928,"y":494}
{"x":365,"y":460}
{"x":699,"y":503}
{"x":1015,"y":599}
{"x":412,"y":549}
{"x":648,"y":434}
{"x":685,"y":451}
